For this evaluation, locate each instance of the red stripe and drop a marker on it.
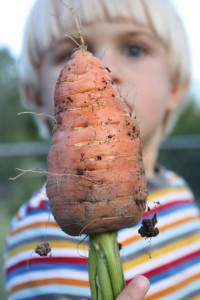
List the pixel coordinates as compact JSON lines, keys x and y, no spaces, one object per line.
{"x":48,"y":260}
{"x":161,"y":207}
{"x":170,"y":265}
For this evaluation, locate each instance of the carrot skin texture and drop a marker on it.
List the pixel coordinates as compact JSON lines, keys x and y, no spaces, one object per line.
{"x":96,"y":174}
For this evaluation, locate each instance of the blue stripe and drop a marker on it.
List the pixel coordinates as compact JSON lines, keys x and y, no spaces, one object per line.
{"x":45,"y":267}
{"x":22,"y":237}
{"x":175,"y":270}
{"x":51,"y":289}
{"x":184,"y":292}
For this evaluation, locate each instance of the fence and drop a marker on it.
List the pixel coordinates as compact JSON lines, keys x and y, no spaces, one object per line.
{"x":181,"y":154}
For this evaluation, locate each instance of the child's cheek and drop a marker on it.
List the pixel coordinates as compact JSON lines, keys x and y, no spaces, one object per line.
{"x":150,"y":106}
{"x":48,"y":77}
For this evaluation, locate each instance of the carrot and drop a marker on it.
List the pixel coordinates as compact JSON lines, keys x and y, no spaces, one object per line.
{"x":96,"y":180}
{"x":96,"y":144}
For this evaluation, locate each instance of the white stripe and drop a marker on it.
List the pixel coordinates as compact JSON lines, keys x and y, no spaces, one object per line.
{"x":175,"y":279}
{"x":46,"y":274}
{"x":73,"y":252}
{"x":164,"y":259}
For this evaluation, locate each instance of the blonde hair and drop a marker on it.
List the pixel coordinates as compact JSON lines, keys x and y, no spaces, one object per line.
{"x":48,"y":21}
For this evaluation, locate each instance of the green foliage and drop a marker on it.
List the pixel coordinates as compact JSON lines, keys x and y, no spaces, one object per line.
{"x":188,"y":123}
{"x":13,"y":128}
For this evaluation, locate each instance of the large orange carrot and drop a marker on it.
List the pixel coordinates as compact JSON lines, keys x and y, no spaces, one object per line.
{"x":96,"y":152}
{"x":96,"y":180}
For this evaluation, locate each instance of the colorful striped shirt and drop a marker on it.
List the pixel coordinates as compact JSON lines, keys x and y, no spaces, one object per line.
{"x":171,"y":260}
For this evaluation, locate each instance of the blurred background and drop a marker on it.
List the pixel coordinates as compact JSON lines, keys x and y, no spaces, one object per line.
{"x":21,"y":146}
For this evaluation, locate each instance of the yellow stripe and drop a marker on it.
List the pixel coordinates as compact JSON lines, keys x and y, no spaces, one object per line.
{"x":160,"y":252}
{"x":53,"y":244}
{"x":166,"y":191}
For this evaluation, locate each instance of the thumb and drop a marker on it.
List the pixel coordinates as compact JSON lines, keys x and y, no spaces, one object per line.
{"x":136,"y":289}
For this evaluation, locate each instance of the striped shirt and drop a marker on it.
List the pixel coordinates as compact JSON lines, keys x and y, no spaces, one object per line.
{"x":171,"y":260}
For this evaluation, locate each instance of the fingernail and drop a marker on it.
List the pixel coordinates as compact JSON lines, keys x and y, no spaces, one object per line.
{"x":142,"y":281}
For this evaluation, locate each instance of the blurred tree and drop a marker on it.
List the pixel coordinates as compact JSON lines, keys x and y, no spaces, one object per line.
{"x":13,"y":128}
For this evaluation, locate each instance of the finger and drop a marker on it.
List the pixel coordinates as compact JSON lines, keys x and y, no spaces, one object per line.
{"x":136,"y":289}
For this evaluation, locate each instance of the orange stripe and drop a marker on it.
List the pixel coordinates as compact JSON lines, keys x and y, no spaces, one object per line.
{"x":176,"y":223}
{"x":34,"y":225}
{"x":36,"y":283}
{"x":174,"y":288}
{"x":131,"y":240}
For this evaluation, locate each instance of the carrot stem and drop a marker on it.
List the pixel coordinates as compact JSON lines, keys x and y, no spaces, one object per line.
{"x":105,"y":267}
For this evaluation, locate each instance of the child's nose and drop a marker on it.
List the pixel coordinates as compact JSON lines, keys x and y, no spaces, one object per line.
{"x":111,"y":63}
{"x":115,"y":75}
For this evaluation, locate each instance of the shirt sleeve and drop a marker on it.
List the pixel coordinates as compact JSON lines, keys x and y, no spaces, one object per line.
{"x":62,"y":272}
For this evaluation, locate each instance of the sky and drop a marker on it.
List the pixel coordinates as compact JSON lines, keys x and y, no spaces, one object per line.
{"x":13,"y":15}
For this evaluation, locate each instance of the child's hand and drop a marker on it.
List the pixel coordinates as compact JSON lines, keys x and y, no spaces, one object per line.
{"x":136,"y":290}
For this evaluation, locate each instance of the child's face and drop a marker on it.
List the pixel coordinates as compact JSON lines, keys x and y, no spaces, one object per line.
{"x":139,"y":67}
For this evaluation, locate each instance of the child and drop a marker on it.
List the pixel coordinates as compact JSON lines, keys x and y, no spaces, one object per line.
{"x":143,"y":43}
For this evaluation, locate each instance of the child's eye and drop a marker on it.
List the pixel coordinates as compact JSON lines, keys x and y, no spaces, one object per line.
{"x":66,"y":56}
{"x":133,"y":51}
{"x":62,"y":58}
